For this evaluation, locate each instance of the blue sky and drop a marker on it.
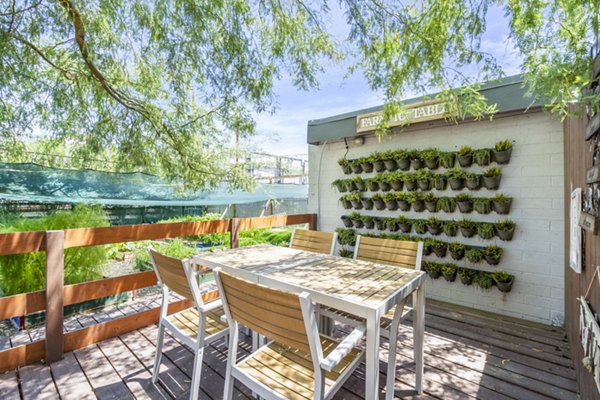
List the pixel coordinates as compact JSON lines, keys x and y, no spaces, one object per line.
{"x":284,"y":132}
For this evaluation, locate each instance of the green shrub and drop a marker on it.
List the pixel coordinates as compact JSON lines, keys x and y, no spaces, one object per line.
{"x":21,"y":273}
{"x":211,"y":238}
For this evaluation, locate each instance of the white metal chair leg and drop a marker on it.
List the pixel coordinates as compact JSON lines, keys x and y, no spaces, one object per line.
{"x":391,"y":367}
{"x":231,"y":359}
{"x":196,"y":374}
{"x":158,"y":355}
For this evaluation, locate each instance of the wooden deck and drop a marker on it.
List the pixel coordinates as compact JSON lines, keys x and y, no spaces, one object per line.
{"x":468,"y":355}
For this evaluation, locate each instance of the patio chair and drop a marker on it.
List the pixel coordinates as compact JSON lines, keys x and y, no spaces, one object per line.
{"x":405,"y":254}
{"x":196,"y":326}
{"x":297,"y":363}
{"x":315,"y":241}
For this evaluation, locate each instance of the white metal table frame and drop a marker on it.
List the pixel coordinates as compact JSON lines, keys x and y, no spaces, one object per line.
{"x":372,"y":313}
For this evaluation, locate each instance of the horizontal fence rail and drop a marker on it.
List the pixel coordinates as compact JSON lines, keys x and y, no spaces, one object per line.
{"x":56,"y":295}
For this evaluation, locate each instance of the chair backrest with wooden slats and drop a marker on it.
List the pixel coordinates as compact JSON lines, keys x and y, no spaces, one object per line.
{"x":314,"y":241}
{"x":170,"y":271}
{"x":273,"y":313}
{"x":401,"y":253}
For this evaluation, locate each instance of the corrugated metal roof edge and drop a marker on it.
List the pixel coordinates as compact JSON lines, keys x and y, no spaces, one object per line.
{"x":486,"y":87}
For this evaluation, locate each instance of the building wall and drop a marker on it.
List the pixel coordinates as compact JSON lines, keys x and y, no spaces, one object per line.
{"x":534,"y":178}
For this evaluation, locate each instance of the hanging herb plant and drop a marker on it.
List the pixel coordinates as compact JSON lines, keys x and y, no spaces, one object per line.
{"x":365,"y":164}
{"x":457,"y":250}
{"x":433,"y":270}
{"x":439,"y":181}
{"x":346,"y":236}
{"x":456,"y":178}
{"x":367,"y":203}
{"x":449,"y":272}
{"x":355,"y":198}
{"x":357,"y":220}
{"x":359,"y":183}
{"x":347,"y":221}
{"x":503,"y":280}
{"x":482,"y":205}
{"x":405,"y":224}
{"x":420,"y":226}
{"x":474,"y":255}
{"x":390,"y":201}
{"x":377,"y":160}
{"x":484,"y":280}
{"x":431,"y":158}
{"x":505,"y":229}
{"x":416,"y":201}
{"x":416,"y":162}
{"x":492,"y":254}
{"x":345,"y":203}
{"x":427,"y":250}
{"x":483,"y":156}
{"x":391,"y":224}
{"x":378,"y":201}
{"x":430,"y":202}
{"x":447,"y":204}
{"x":424,"y":179}
{"x":465,"y":156}
{"x":345,"y":164}
{"x":466,"y":275}
{"x":402,"y":159}
{"x":396,"y":180}
{"x":501,"y":204}
{"x":356,"y":167}
{"x":447,"y":159}
{"x":472,"y":181}
{"x":492,"y":177}
{"x":383,"y":182}
{"x":467,"y":227}
{"x":380,"y":223}
{"x":401,"y":199}
{"x":340,"y":185}
{"x":372,"y":184}
{"x":502,"y":151}
{"x":485,"y":231}
{"x":439,"y":248}
{"x":368,"y":221}
{"x":450,"y":228}
{"x":434,"y":225}
{"x":465,"y":203}
{"x":345,"y":253}
{"x":410,"y":181}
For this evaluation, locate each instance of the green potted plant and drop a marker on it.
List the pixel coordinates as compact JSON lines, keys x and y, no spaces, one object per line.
{"x":503,"y":280}
{"x":372,"y":184}
{"x":416,"y":161}
{"x":402,"y":200}
{"x":472,"y":181}
{"x":390,"y":201}
{"x":424,"y":179}
{"x":502,"y":151}
{"x":465,"y":156}
{"x":447,"y":159}
{"x":467,"y":227}
{"x":457,"y":250}
{"x":420,"y":226}
{"x":410,"y":181}
{"x":439,"y":248}
{"x":347,"y":204}
{"x":466,"y":276}
{"x":380,"y":223}
{"x":402,"y":159}
{"x":483,"y":157}
{"x":416,"y":201}
{"x":482,"y":205}
{"x":505,"y":229}
{"x":340,"y":185}
{"x":345,"y":164}
{"x":492,"y":177}
{"x":501,"y":203}
{"x":345,"y":253}
{"x":431,"y":157}
{"x":492,"y":254}
{"x":433,"y":270}
{"x":430,"y":202}
{"x":447,"y":204}
{"x":404,"y":224}
{"x":465,"y":203}
{"x":396,"y":180}
{"x":347,"y":221}
{"x":378,"y":201}
{"x":355,"y":198}
{"x":346,"y":236}
{"x":359,"y":183}
{"x":485,"y":231}
{"x":356,"y":167}
{"x":434,"y":226}
{"x":427,"y":250}
{"x":391,"y":224}
{"x":368,"y":221}
{"x":365,"y":164}
{"x":484,"y":280}
{"x":383,"y":181}
{"x":357,"y":220}
{"x":377,"y":160}
{"x":439,"y":181}
{"x":367,"y":203}
{"x":450,"y":228}
{"x":456,"y":178}
{"x":474,"y":255}
{"x":449,"y":272}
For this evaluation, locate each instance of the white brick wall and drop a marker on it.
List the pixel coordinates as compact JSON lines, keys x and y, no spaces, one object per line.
{"x":534,"y":178}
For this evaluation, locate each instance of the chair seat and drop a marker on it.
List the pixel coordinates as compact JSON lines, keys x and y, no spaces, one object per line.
{"x":187,"y":321}
{"x":289,"y":372}
{"x":351,"y":319}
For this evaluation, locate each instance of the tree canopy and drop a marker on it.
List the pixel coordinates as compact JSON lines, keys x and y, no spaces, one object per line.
{"x":168,"y":84}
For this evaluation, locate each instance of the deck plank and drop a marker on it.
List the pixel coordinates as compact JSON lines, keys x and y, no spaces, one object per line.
{"x":70,"y":379}
{"x":9,"y":385}
{"x":37,"y":383}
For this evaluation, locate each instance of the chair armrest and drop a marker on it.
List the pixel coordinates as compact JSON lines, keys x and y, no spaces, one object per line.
{"x":211,"y":305}
{"x":344,"y":348}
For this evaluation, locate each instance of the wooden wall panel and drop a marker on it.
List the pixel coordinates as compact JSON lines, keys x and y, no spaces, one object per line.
{"x":578,"y":158}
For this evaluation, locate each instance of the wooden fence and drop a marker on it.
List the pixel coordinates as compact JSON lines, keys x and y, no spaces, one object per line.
{"x":57,"y":295}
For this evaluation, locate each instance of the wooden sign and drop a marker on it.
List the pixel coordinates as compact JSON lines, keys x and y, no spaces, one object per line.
{"x":593,"y":174}
{"x":419,"y":112}
{"x":589,"y":222}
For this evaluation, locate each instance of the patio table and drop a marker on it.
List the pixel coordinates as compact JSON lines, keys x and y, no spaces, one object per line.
{"x":364,"y":289}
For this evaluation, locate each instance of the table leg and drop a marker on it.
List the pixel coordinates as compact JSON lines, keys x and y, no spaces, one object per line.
{"x":418,"y":333}
{"x":372,"y":356}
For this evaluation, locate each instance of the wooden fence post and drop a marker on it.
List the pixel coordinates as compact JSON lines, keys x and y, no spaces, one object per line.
{"x":234,"y":231}
{"x":312,"y":223}
{"x":55,"y":279}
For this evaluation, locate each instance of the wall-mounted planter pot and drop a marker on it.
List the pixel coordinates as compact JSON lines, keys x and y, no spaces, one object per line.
{"x":505,"y":234}
{"x":482,"y":207}
{"x":358,"y":223}
{"x":390,"y":165}
{"x":380,"y":223}
{"x":505,"y":287}
{"x":491,"y":260}
{"x":467,"y":232}
{"x":367,"y":204}
{"x":403,"y":163}
{"x":418,"y":205}
{"x":466,"y":279}
{"x":384,"y":186}
{"x":492,"y":182}
{"x":465,"y":207}
{"x":373,"y":185}
{"x":424,"y":184}
{"x":432,"y":163}
{"x":357,"y":204}
{"x":351,"y":186}
{"x":347,"y":169}
{"x":379,"y":166}
{"x":417,"y":163}
{"x":405,"y":227}
{"x":456,"y":183}
{"x":440,"y":183}
{"x":367,"y":167}
{"x":449,"y":277}
{"x":450,"y":230}
{"x":347,"y":221}
{"x":473,"y":183}
{"x":360,"y":185}
{"x":434,"y":273}
{"x":457,"y":254}
{"x":379,"y":204}
{"x":440,"y":251}
{"x":346,"y":204}
{"x":397,"y":184}
{"x":369,"y":223}
{"x":357,"y":168}
{"x":410,"y":185}
{"x":392,"y":226}
{"x":502,"y":157}
{"x":435,"y":229}
{"x":502,"y":207}
{"x":448,"y":160}
{"x":431,"y":206}
{"x":420,"y":228}
{"x":341,"y":187}
{"x":466,"y":160}
{"x":404,"y":205}
{"x":391,"y":205}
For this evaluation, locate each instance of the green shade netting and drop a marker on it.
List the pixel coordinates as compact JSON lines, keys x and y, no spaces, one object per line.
{"x":38,"y":184}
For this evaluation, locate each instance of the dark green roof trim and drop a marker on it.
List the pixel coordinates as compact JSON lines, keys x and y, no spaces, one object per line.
{"x":508,"y":95}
